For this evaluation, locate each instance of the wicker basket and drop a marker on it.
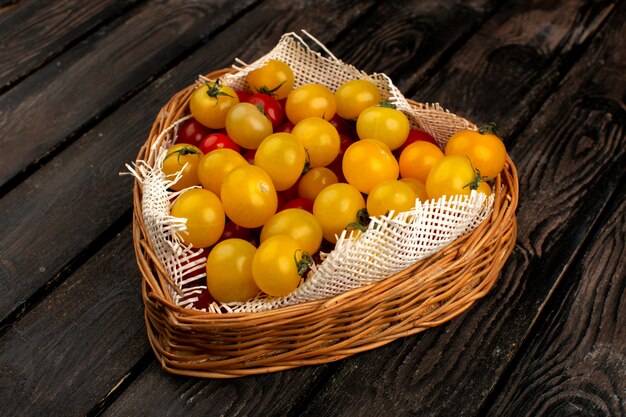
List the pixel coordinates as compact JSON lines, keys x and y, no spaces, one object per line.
{"x":431,"y":292}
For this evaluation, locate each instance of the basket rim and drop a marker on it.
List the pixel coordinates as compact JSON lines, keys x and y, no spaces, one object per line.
{"x":161,"y":294}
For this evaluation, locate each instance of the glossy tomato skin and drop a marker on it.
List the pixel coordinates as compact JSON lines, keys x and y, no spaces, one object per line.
{"x":286,"y":127}
{"x":310,"y":100}
{"x":297,"y":223}
{"x":390,"y":195}
{"x":299,"y":203}
{"x":229,"y":271}
{"x":282,"y":156}
{"x":344,"y":127}
{"x":192,"y":132}
{"x":274,"y":78}
{"x":247,"y":126}
{"x":486,"y":151}
{"x":367,"y":163}
{"x":384,"y":124}
{"x":415,"y":135}
{"x":319,"y":138}
{"x":185,"y":158}
{"x":335,"y":207}
{"x":450,"y":176}
{"x":270,"y":106}
{"x":314,"y":181}
{"x":355,"y":96}
{"x":214,"y":141}
{"x":216,"y":165}
{"x":418,"y":187}
{"x":243,"y":96}
{"x":205,"y":217}
{"x":233,"y":231}
{"x":417,"y":159}
{"x":274,"y":266}
{"x":210,"y":103}
{"x":249,"y":196}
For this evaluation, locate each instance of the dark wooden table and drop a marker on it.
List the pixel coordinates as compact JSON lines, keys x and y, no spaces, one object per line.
{"x":81,"y":83}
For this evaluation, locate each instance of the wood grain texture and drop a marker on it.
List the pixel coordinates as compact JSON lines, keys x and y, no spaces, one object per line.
{"x":406,"y":40}
{"x":449,"y":370}
{"x":88,"y":79}
{"x":576,"y":362}
{"x":34,"y":31}
{"x":516,"y":58}
{"x":72,"y":348}
{"x":79,"y":194}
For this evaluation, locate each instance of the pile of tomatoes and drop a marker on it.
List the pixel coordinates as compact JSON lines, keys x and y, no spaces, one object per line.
{"x":284,"y":171}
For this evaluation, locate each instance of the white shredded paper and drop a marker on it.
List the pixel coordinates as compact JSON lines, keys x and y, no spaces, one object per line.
{"x":391,"y":243}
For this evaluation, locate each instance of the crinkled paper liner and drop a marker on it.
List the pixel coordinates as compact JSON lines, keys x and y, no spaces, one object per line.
{"x":391,"y":243}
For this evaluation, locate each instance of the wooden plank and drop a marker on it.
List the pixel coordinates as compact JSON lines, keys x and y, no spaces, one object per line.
{"x":575,"y":362}
{"x":35,"y":31}
{"x":64,"y":355}
{"x":570,"y":159}
{"x":91,"y":78}
{"x":78,"y":196}
{"x":106,"y":148}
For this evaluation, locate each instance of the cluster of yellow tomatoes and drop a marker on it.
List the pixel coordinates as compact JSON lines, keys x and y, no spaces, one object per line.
{"x":284,"y":169}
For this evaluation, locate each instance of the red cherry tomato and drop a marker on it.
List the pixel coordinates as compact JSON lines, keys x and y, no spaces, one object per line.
{"x":343,"y":126}
{"x":249,"y":155}
{"x":335,"y":166}
{"x":291,"y":192}
{"x":192,"y":132}
{"x":285,"y":128}
{"x":204,"y":300}
{"x":270,"y":106}
{"x":299,"y":203}
{"x":416,"y":134}
{"x":243,"y":96}
{"x":234,"y":231}
{"x":214,"y":141}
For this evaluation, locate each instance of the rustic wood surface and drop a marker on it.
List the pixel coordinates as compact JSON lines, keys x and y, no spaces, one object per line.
{"x":81,"y":83}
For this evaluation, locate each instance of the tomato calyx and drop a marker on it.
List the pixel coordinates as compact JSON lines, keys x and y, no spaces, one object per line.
{"x":307,"y":162}
{"x":215,"y":90}
{"x":363,"y":220}
{"x":305,"y":261}
{"x":387,"y":104}
{"x":489,"y":128}
{"x":185,"y":150}
{"x":266,"y":90}
{"x":475,"y":183}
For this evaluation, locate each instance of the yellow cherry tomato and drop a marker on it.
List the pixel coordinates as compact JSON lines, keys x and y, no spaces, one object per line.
{"x":314,"y":181}
{"x":367,"y":163}
{"x":185,"y":158}
{"x":297,"y":223}
{"x":418,"y":188}
{"x":310,"y":100}
{"x":390,"y":195}
{"x":274,"y":78}
{"x":211,"y":102}
{"x":229,"y":271}
{"x":249,"y":196}
{"x":205,"y":217}
{"x":247,"y":126}
{"x":282,"y":156}
{"x":336,"y":206}
{"x":417,"y":159}
{"x":451,"y":175}
{"x":355,"y":96}
{"x":215,"y":165}
{"x":385,"y":124}
{"x":275,"y":265}
{"x":486,"y":151}
{"x":320,"y":139}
